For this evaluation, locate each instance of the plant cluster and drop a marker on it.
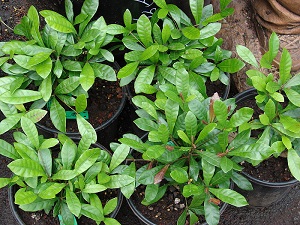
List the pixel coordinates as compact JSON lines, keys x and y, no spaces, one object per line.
{"x":169,"y":42}
{"x":62,"y":175}
{"x":278,"y":97}
{"x":55,"y":67}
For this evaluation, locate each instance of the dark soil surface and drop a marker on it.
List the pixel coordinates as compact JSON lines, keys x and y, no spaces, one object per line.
{"x":284,"y":212}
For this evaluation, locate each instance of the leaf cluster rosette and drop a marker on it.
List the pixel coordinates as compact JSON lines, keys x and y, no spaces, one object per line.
{"x":63,"y":176}
{"x":190,"y":145}
{"x":278,"y":98}
{"x":56,"y":65}
{"x":170,"y":41}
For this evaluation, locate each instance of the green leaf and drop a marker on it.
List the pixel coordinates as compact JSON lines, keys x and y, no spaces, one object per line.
{"x":23,"y":197}
{"x":86,"y":129}
{"x":208,"y":171}
{"x":182,"y":218}
{"x":67,"y":85}
{"x":92,"y":212}
{"x":191,"y":33}
{"x":144,"y":29}
{"x":65,"y":175}
{"x":220,"y":110}
{"x":241,"y":116}
{"x":119,"y":156}
{"x":7,"y":150}
{"x":292,"y":95}
{"x":87,"y":77}
{"x":31,"y":132}
{"x":155,"y":151}
{"x":196,"y":8}
{"x":212,"y":212}
{"x":68,"y":154}
{"x":46,"y":88}
{"x":57,"y":22}
{"x":51,"y":191}
{"x":67,"y":216}
{"x":229,"y":196}
{"x":127,"y":70}
{"x":241,"y":181}
{"x":226,"y":164}
{"x":285,"y":66}
{"x":145,"y":76}
{"x":183,"y":136}
{"x":171,"y":111}
{"x":110,"y":206}
{"x":94,"y":188}
{"x":80,"y":103}
{"x":205,"y":131}
{"x":247,"y":55}
{"x":9,"y":122}
{"x":294,"y":81}
{"x":179,"y":175}
{"x":86,"y":160}
{"x":73,"y":202}
{"x":20,"y":96}
{"x":210,"y":30}
{"x":192,"y":189}
{"x":4,"y":182}
{"x":231,"y":65}
{"x":58,"y":115}
{"x":149,"y":52}
{"x":118,"y":181}
{"x":26,"y":168}
{"x":45,"y":159}
{"x":294,"y":163}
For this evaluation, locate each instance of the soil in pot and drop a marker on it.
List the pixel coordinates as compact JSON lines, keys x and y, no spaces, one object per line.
{"x":271,"y":170}
{"x":104,"y":100}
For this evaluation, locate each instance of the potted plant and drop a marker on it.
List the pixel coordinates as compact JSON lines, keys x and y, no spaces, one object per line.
{"x":187,"y":149}
{"x":63,"y":176}
{"x":275,"y":126}
{"x":61,"y":68}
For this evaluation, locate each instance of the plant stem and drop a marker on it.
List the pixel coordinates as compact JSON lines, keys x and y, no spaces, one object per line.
{"x":6,"y":24}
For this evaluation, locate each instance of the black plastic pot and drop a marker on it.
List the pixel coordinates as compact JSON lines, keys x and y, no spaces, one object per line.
{"x":15,"y":210}
{"x":264,"y":193}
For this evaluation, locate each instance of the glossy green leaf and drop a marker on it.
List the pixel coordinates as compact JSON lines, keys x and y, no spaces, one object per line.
{"x":68,"y":85}
{"x":118,"y":181}
{"x":110,"y":206}
{"x":92,"y":212}
{"x":294,"y":163}
{"x":226,"y":164}
{"x":73,"y":202}
{"x":196,"y":8}
{"x":241,"y":181}
{"x":179,"y":175}
{"x":26,"y":168}
{"x":23,"y":196}
{"x":65,"y":175}
{"x":231,"y":65}
{"x":145,"y":76}
{"x":171,"y":111}
{"x":52,"y":190}
{"x":119,"y":156}
{"x":58,"y":115}
{"x":94,"y":188}
{"x":85,"y":128}
{"x":210,"y":30}
{"x":9,"y":122}
{"x":144,"y":29}
{"x":191,"y":33}
{"x":45,"y":159}
{"x":247,"y":55}
{"x":208,"y":171}
{"x":31,"y":131}
{"x":80,"y":103}
{"x":192,"y":189}
{"x":86,"y":160}
{"x":211,"y":212}
{"x":68,"y":154}
{"x":7,"y":150}
{"x":229,"y":196}
{"x":241,"y":116}
{"x":205,"y":131}
{"x":127,"y":70}
{"x":57,"y":21}
{"x":20,"y":96}
{"x":87,"y":77}
{"x":292,"y":95}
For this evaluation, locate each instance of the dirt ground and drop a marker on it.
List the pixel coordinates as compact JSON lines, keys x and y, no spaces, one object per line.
{"x":237,"y":29}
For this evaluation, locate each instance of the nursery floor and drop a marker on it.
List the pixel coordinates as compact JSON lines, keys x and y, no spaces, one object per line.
{"x":285,"y":212}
